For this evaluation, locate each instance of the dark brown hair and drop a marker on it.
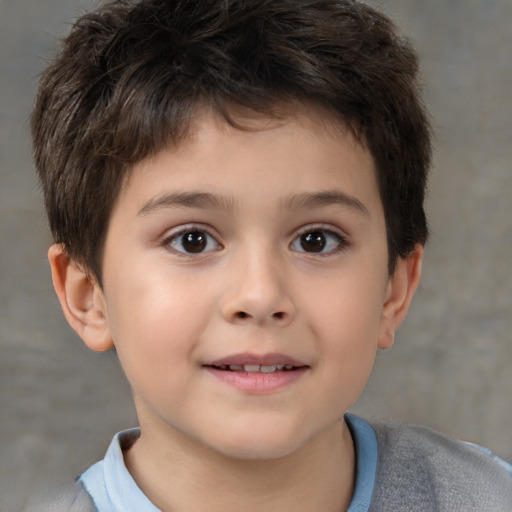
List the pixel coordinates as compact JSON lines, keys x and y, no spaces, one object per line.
{"x":129,"y":75}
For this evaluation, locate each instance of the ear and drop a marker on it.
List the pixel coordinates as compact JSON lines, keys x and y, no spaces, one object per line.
{"x":401,"y":288}
{"x":81,"y":299}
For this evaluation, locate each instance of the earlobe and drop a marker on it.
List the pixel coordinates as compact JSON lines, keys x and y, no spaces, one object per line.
{"x":81,"y":299}
{"x":401,"y":288}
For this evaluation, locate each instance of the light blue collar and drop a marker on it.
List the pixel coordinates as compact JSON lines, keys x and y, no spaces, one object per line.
{"x":365,"y":442}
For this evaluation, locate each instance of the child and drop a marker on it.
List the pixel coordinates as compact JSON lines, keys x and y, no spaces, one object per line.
{"x":235,"y":189}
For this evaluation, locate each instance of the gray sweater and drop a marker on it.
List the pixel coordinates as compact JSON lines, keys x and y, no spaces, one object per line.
{"x":418,"y":470}
{"x":421,"y":470}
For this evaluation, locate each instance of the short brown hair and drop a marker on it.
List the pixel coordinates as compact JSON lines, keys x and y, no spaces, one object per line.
{"x":129,"y":75}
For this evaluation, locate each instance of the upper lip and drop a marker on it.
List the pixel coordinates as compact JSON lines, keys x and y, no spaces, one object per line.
{"x":270,"y":359}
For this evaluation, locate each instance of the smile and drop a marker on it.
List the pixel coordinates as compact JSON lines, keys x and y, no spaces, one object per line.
{"x":257,"y":374}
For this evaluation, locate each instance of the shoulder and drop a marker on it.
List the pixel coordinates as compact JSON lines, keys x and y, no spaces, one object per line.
{"x":420,"y":469}
{"x":69,"y":498}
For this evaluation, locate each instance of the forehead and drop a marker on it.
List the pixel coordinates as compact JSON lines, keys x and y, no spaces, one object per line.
{"x":295,"y":152}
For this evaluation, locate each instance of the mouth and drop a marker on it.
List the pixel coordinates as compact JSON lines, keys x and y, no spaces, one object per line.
{"x":257,"y":374}
{"x":254,"y":363}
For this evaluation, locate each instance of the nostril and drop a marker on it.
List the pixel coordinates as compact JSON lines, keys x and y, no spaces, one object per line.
{"x":243,"y":315}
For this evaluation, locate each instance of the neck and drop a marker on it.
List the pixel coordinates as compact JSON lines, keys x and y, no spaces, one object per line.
{"x":182,"y":475}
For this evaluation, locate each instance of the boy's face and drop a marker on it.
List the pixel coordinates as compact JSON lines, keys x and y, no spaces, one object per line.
{"x":264,"y":247}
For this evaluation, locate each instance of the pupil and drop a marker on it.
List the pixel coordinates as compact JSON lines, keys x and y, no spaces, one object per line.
{"x":313,"y":242}
{"x":195,"y":241}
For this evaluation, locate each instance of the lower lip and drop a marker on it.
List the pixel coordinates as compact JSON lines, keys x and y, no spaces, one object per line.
{"x":257,"y":382}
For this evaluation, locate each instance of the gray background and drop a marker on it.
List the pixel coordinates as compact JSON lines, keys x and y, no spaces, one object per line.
{"x":450,"y":367}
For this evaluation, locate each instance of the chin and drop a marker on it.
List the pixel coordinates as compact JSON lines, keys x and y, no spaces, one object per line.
{"x":258,"y":444}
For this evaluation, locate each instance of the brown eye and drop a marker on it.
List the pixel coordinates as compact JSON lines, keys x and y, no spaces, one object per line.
{"x":193,"y":242}
{"x":313,"y":242}
{"x":320,"y":241}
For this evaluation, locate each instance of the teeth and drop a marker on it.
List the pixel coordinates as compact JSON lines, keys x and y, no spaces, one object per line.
{"x":255,"y":368}
{"x":251,"y":367}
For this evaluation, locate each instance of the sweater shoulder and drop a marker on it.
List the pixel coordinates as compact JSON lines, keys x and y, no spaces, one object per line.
{"x":423,"y":470}
{"x":68,"y":498}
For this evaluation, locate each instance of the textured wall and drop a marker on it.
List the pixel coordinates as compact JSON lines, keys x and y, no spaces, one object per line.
{"x":450,"y":367}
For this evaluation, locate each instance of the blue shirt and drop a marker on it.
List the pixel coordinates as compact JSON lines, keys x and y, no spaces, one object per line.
{"x":113,"y":489}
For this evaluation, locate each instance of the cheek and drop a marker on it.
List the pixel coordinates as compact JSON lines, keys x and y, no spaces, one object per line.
{"x":155,"y":345}
{"x":348,"y":345}
{"x":153,"y":302}
{"x":156,"y":326}
{"x":347,"y":321}
{"x":351,"y":307}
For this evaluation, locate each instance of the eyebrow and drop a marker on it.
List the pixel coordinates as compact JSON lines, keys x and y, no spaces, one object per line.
{"x":202,"y":200}
{"x":325,"y":198}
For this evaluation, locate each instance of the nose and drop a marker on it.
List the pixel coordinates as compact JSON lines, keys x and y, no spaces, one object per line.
{"x":258,"y":292}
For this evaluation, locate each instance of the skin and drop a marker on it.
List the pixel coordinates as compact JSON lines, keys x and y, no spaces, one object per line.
{"x":255,"y":288}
